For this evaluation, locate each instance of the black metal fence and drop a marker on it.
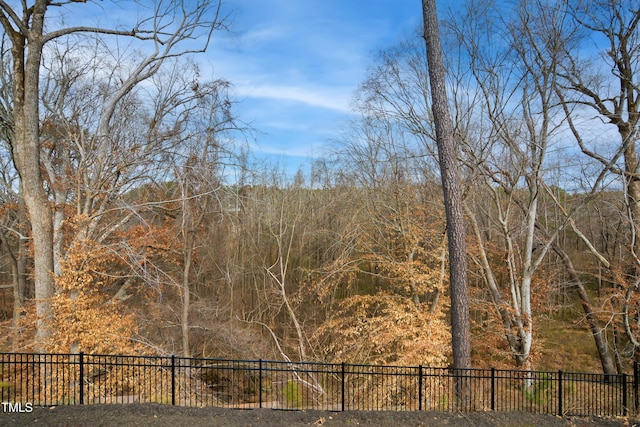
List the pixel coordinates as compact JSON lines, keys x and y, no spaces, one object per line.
{"x":70,"y":379}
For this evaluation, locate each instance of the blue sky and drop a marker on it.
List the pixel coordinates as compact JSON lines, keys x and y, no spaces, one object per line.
{"x":296,"y":64}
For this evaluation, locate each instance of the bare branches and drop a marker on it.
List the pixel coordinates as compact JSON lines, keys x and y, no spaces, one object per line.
{"x":83,"y":160}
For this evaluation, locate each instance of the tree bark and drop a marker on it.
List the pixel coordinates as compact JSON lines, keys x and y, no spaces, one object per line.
{"x":460,"y":329}
{"x":597,"y":330}
{"x":27,"y":53}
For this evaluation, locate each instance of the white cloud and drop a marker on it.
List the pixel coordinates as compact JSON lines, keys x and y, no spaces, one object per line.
{"x":296,"y":65}
{"x":259,"y":36}
{"x":295,"y":151}
{"x":315,"y":97}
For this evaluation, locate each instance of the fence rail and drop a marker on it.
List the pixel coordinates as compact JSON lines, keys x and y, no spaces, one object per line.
{"x":69,"y":379}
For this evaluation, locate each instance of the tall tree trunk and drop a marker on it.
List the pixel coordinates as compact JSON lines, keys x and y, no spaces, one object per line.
{"x":597,"y":330}
{"x":27,"y":53}
{"x":460,"y":329}
{"x":633,"y":182}
{"x":186,"y":298}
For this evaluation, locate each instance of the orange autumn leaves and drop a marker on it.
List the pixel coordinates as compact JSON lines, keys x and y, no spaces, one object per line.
{"x":84,"y":316}
{"x":386,"y":329}
{"x":392,"y":315}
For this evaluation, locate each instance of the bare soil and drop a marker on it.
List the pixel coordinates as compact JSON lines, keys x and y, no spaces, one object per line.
{"x":144,"y":415}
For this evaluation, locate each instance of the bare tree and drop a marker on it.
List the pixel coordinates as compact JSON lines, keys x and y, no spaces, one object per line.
{"x":168,"y":29}
{"x":513,"y":157}
{"x":597,"y":73}
{"x":200,"y":190}
{"x":13,"y":230}
{"x":614,"y":98}
{"x":515,"y":57}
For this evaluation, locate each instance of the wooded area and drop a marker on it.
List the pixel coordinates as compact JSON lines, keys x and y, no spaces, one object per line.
{"x":134,"y":219}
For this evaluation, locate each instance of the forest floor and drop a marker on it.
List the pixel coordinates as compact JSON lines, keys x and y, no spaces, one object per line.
{"x":144,"y":415}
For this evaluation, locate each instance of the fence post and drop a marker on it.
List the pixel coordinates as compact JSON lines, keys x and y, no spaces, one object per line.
{"x":420,"y":388}
{"x":342,"y":385}
{"x":260,"y":383}
{"x":173,"y":379}
{"x":636,"y":398}
{"x":493,"y":389}
{"x":560,"y":398}
{"x":81,"y":369}
{"x":625,"y":407}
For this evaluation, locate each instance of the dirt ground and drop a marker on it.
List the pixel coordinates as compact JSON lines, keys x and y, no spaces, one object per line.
{"x":144,"y":415}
